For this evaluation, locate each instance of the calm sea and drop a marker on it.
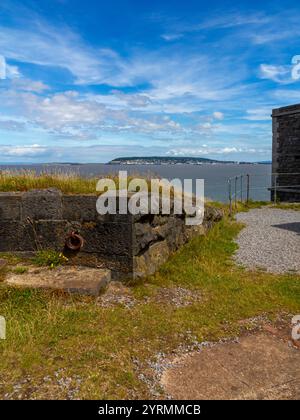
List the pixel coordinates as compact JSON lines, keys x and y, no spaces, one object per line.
{"x":215,"y":176}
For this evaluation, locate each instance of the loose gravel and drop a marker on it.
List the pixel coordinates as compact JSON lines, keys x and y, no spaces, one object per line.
{"x":270,"y":241}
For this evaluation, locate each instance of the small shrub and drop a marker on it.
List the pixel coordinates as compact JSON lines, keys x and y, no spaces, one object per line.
{"x":49,"y":258}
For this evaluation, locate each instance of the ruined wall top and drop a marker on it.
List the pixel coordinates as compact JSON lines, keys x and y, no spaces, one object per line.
{"x":286,"y":110}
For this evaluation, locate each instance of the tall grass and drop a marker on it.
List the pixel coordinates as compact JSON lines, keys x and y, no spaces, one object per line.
{"x":26,"y":180}
{"x":68,"y":183}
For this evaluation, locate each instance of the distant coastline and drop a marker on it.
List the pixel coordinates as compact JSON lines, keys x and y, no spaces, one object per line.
{"x":151,"y":160}
{"x":172,"y":160}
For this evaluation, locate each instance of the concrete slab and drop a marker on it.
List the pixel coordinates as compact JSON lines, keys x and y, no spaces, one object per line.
{"x":258,"y":367}
{"x":88,"y":281}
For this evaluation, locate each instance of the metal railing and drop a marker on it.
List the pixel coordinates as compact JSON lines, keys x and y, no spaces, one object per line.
{"x":240,"y":187}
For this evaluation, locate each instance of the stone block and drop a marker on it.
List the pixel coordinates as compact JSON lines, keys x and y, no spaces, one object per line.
{"x":42,"y":204}
{"x":151,"y":260}
{"x":144,"y":235}
{"x":79,"y":207}
{"x":81,"y":280}
{"x":16,"y":236}
{"x":120,"y":266}
{"x":108,"y":238}
{"x":83,"y":208}
{"x":51,"y":234}
{"x":10,"y":206}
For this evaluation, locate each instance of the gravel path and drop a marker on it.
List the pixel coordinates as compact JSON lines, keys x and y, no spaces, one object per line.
{"x":270,"y":240}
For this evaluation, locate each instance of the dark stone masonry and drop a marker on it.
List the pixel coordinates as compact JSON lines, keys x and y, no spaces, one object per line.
{"x":130,"y":246}
{"x":286,"y":153}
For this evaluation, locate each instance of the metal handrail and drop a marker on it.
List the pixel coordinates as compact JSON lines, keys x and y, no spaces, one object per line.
{"x":234,"y":192}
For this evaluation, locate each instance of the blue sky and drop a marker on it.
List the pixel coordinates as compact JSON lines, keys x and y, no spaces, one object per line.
{"x":88,"y":81}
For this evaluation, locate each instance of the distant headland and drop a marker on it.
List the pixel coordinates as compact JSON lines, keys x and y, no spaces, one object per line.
{"x":175,"y":160}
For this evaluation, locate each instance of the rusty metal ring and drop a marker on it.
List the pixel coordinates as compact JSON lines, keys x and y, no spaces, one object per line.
{"x":74,"y":241}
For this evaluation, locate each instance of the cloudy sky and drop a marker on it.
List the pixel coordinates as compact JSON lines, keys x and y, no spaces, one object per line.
{"x":88,"y":81}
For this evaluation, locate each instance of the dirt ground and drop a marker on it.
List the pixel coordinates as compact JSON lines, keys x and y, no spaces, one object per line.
{"x":264,"y":366}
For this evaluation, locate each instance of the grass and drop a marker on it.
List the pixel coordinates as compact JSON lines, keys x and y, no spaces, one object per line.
{"x":56,"y":336}
{"x":67,"y":182}
{"x":49,"y":257}
{"x":20,"y":270}
{"x":27,"y":180}
{"x":243,"y":206}
{"x":288,"y":206}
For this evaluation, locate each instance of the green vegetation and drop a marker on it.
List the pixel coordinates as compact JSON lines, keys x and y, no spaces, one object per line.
{"x":50,"y":258}
{"x":68,"y":183}
{"x":288,"y":206}
{"x":173,"y":160}
{"x":27,"y":180}
{"x":10,"y":258}
{"x":53,"y":338}
{"x":20,"y":270}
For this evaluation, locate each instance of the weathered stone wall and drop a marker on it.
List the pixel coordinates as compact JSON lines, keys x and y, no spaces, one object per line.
{"x":130,"y":246}
{"x":286,"y":152}
{"x":156,"y":237}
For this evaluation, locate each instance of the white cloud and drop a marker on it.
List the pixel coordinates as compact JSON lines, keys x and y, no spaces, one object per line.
{"x":12,"y":125}
{"x":133,"y":100}
{"x":218,"y":115}
{"x":211,"y":151}
{"x":7,"y":71}
{"x":259,"y":114}
{"x":171,"y":37}
{"x":12,"y":72}
{"x":70,"y":114}
{"x":169,"y":74}
{"x":63,"y":110}
{"x":22,"y":151}
{"x":229,"y":150}
{"x":178,"y":29}
{"x":279,"y":74}
{"x":28,"y":85}
{"x":275,"y":28}
{"x":285,"y":96}
{"x":273,"y":35}
{"x":46,"y":46}
{"x":233,"y":20}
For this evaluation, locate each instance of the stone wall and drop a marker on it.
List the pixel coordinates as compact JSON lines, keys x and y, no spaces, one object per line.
{"x":130,"y":246}
{"x":286,"y":152}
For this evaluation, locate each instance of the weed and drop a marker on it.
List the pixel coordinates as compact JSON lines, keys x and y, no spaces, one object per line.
{"x":20,"y":270}
{"x":49,"y":258}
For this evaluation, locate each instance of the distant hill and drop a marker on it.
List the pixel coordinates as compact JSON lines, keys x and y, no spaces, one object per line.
{"x":166,"y":160}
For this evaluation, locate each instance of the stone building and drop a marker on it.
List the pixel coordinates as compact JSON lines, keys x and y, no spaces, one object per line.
{"x":286,"y":153}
